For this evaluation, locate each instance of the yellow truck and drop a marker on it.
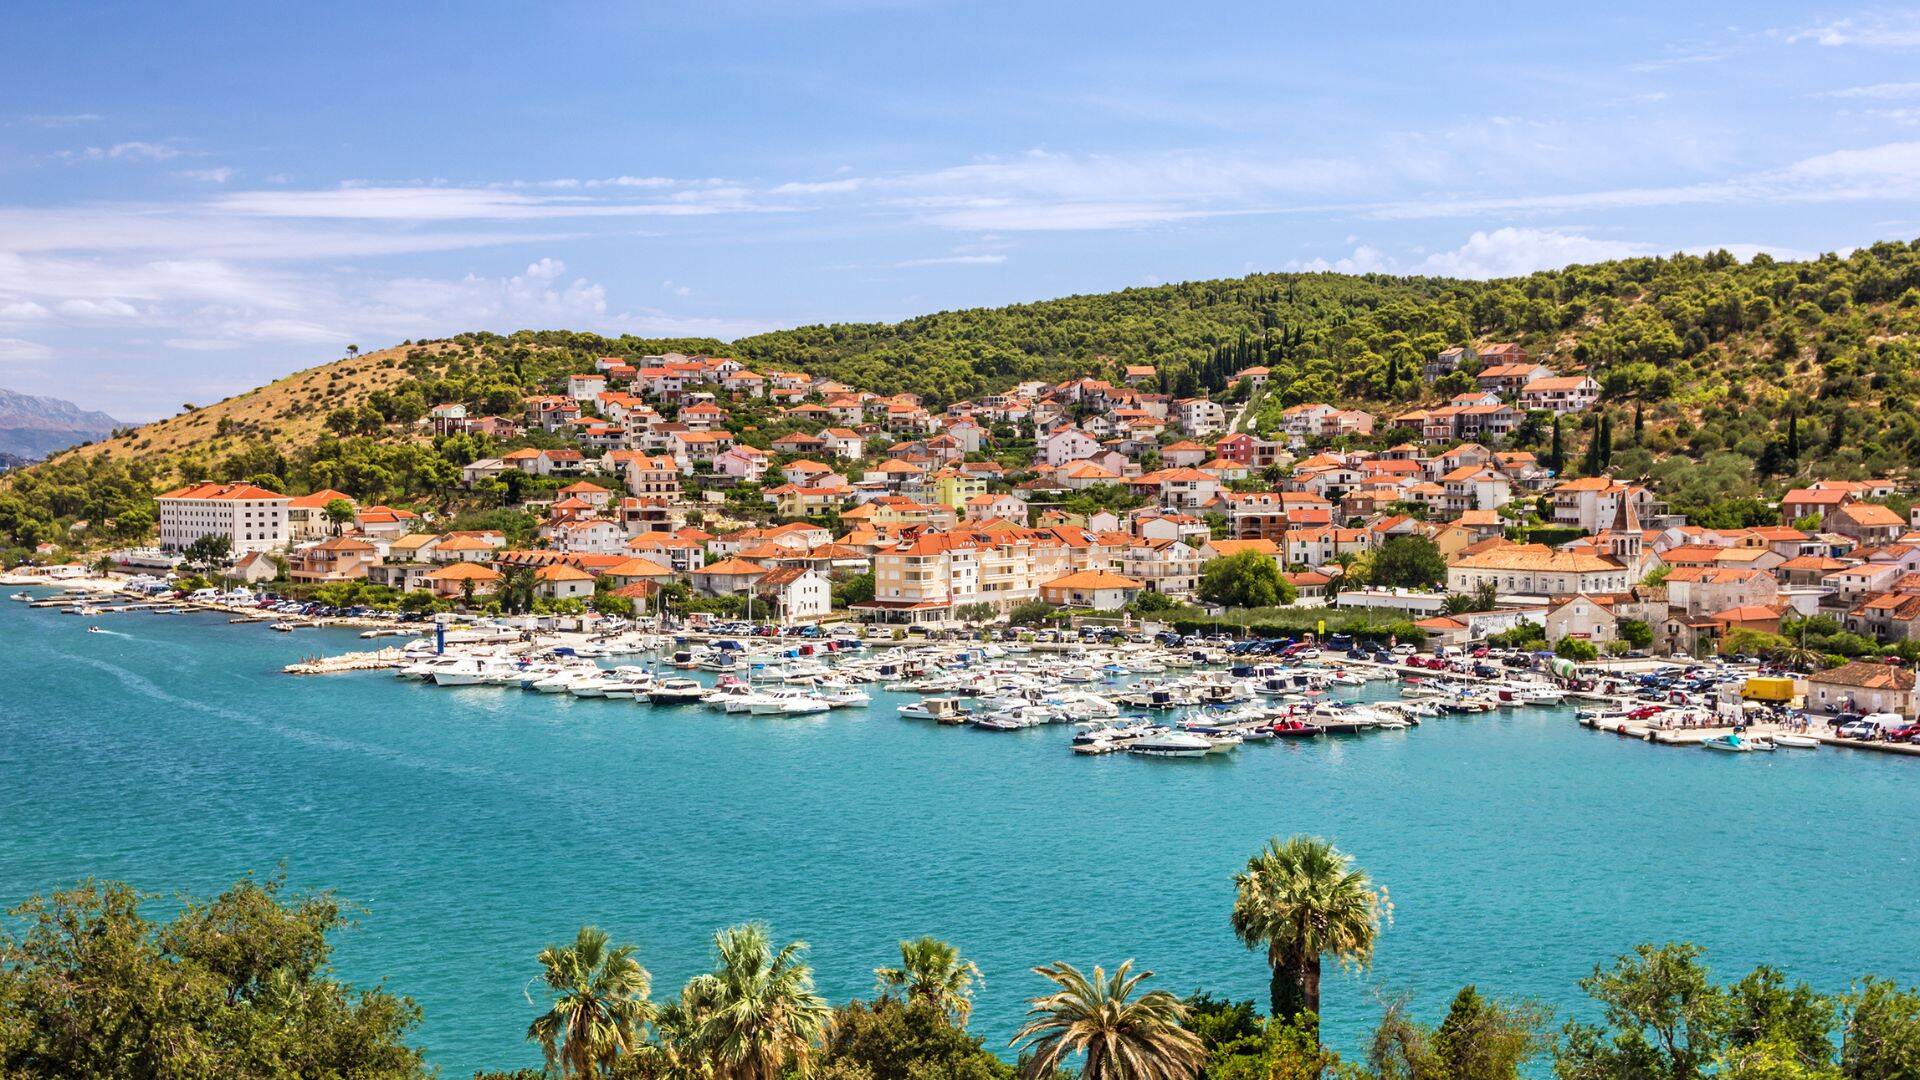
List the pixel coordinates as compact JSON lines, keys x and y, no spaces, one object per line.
{"x":1768,"y":688}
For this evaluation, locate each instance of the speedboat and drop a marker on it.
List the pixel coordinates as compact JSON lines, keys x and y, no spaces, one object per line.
{"x":22,"y":597}
{"x":627,"y":682}
{"x":1796,"y":742}
{"x":467,"y":671}
{"x":1730,"y":743}
{"x":786,"y":702}
{"x":676,"y":691}
{"x":943,"y":709}
{"x":95,"y":630}
{"x":730,"y":697}
{"x":840,"y":695}
{"x":1171,"y":744}
{"x":1542,"y":694}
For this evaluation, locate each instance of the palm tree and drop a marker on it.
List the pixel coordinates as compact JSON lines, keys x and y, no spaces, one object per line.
{"x":932,"y":971}
{"x":1303,"y":899}
{"x":599,"y":1008}
{"x":756,"y":1015}
{"x":1123,"y":1037}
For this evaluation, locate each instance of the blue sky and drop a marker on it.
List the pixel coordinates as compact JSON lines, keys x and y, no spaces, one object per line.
{"x":196,"y":199}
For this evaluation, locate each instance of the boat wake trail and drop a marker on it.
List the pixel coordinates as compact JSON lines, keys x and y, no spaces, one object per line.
{"x":140,"y":684}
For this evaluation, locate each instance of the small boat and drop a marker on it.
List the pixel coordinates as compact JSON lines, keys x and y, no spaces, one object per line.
{"x":1171,"y":744}
{"x":95,"y":630}
{"x":676,"y":691}
{"x":1796,"y":742}
{"x":1730,"y":743}
{"x":283,"y":627}
{"x":1763,"y":743}
{"x":786,"y":703}
{"x":943,"y":709}
{"x":20,"y":596}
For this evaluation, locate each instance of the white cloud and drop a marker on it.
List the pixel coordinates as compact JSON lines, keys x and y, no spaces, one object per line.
{"x":19,"y":311}
{"x":1363,"y":260}
{"x":1514,"y":251}
{"x":98,"y":309}
{"x":1888,"y":31}
{"x":952,"y":260}
{"x":218,"y":175}
{"x":1511,"y":252}
{"x":1890,"y":171}
{"x":16,"y":351}
{"x":821,"y":187}
{"x":444,"y":204}
{"x":1890,"y":91}
{"x":57,"y":120}
{"x":126,"y":151}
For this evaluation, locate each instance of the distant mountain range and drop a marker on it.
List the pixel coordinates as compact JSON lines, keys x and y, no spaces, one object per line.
{"x":33,"y":427}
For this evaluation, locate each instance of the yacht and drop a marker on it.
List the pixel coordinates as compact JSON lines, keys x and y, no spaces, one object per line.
{"x":786,"y":702}
{"x":469,"y":671}
{"x":424,"y":669}
{"x":1542,"y":694}
{"x":1168,"y":743}
{"x":676,"y":691}
{"x":943,"y":709}
{"x":730,"y":697}
{"x":840,"y":694}
{"x":628,"y":682}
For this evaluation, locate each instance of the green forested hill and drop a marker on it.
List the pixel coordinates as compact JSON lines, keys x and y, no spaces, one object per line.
{"x":1722,"y":378}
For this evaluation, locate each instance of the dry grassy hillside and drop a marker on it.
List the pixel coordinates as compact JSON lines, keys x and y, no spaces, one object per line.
{"x":288,"y":412}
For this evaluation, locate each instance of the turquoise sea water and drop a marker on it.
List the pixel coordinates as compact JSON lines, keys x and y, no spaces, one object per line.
{"x":477,"y":825}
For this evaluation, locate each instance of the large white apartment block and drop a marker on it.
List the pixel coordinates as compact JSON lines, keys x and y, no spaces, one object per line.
{"x":252,"y":518}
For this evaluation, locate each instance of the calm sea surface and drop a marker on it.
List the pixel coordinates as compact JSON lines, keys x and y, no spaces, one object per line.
{"x":477,"y":825}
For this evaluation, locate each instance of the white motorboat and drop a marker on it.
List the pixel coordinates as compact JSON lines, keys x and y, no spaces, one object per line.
{"x":1796,"y":742}
{"x":1542,"y":694}
{"x":468,"y":671}
{"x":1171,"y":744}
{"x":676,"y":691}
{"x":590,"y":682}
{"x":840,"y":694}
{"x":424,"y":669}
{"x":628,"y":683}
{"x":786,"y":702}
{"x":943,"y":709}
{"x":732,"y":697}
{"x":561,"y":681}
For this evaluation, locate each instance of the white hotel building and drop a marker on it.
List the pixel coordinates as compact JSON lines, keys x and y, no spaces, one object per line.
{"x":253,"y":518}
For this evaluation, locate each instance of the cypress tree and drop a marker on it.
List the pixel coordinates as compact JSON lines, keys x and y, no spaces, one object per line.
{"x":1606,"y":440}
{"x":1793,"y":435}
{"x":1556,"y":458}
{"x":1639,"y":422}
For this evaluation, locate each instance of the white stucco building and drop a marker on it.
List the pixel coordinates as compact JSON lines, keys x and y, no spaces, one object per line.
{"x":251,"y":518}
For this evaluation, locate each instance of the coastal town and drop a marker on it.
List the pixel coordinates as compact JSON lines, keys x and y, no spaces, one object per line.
{"x":1124,"y":504}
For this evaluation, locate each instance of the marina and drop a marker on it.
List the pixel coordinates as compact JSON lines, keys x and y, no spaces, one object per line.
{"x":174,"y":751}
